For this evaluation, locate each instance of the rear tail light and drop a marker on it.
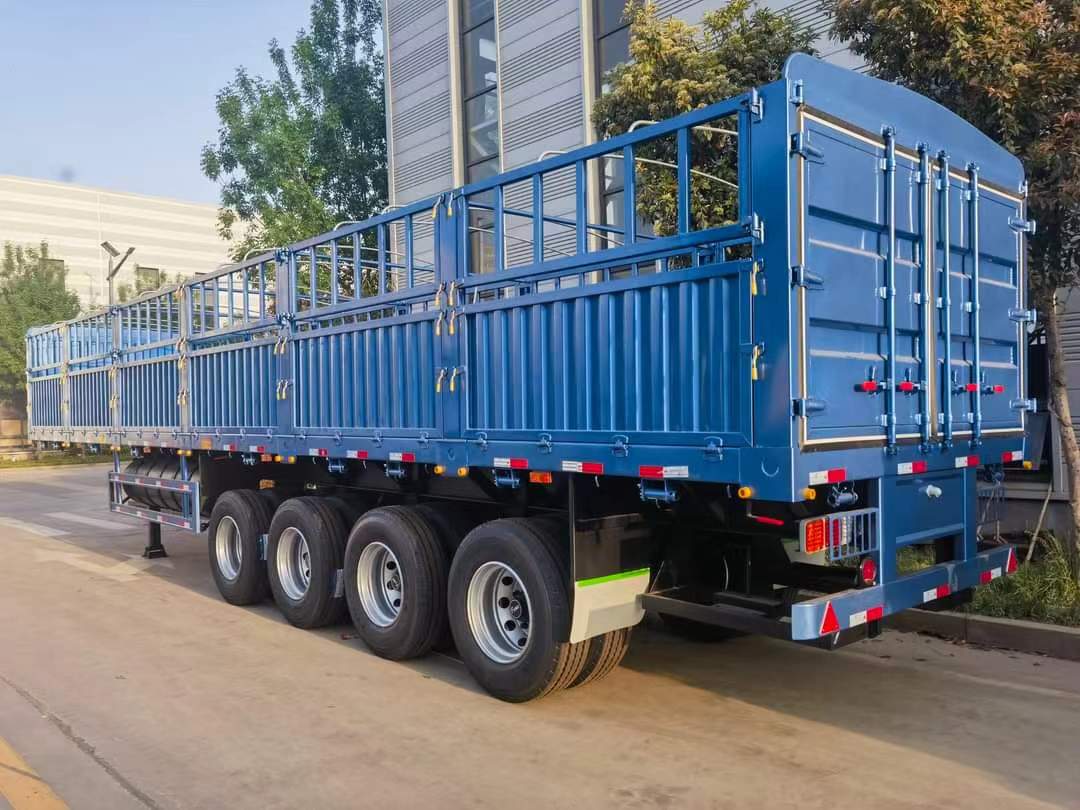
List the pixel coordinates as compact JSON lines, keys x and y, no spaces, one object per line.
{"x":813,"y":536}
{"x":842,"y":534}
{"x":868,"y":571}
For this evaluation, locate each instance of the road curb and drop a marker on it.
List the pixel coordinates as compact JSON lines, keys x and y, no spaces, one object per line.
{"x":1012,"y":634}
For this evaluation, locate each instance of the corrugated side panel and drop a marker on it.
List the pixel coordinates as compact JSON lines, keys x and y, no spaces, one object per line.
{"x":45,"y":410}
{"x":373,"y":377}
{"x":90,"y":399}
{"x":661,"y":358}
{"x":148,"y":394}
{"x":233,"y":386}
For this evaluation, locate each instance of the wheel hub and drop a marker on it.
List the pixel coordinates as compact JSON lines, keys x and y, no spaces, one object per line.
{"x":228,"y":550}
{"x":499,"y":612}
{"x":380,"y":584}
{"x":293,"y":561}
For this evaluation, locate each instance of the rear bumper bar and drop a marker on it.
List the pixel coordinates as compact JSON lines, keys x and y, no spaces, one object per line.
{"x":826,"y":615}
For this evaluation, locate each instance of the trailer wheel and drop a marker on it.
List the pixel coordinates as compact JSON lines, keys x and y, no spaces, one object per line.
{"x":395,"y":582}
{"x":304,"y":556}
{"x":240,"y":518}
{"x":510,"y":611}
{"x":605,"y":654}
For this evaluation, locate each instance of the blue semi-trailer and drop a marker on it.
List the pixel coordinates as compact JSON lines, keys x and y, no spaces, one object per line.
{"x":512,"y":417}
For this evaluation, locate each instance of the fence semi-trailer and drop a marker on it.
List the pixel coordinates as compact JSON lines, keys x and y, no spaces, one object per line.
{"x":517,"y":418}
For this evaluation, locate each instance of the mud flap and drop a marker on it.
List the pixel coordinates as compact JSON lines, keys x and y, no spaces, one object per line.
{"x":610,"y":573}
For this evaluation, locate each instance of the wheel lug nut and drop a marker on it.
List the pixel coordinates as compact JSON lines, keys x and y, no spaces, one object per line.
{"x":507,"y":581}
{"x":397,"y":603}
{"x":521,"y":641}
{"x":504,"y":602}
{"x":510,"y":625}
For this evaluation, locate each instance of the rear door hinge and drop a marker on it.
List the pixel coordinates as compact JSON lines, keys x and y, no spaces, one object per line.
{"x":1023,"y":405}
{"x":1023,"y":315}
{"x":800,"y":145}
{"x":797,"y":98}
{"x":807,"y":406}
{"x":801,"y":277}
{"x":754,"y":227}
{"x":1021,"y":225}
{"x":756,"y":105}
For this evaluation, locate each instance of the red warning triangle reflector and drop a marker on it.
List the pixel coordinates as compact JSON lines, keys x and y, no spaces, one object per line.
{"x":829,"y":624}
{"x":1010,"y":566}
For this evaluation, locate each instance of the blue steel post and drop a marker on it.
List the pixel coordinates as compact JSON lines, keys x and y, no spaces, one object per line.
{"x":629,"y":197}
{"x":581,"y":207}
{"x":538,"y":218}
{"x":926,"y":266}
{"x":683,"y":192}
{"x":945,"y":300}
{"x":976,"y":337}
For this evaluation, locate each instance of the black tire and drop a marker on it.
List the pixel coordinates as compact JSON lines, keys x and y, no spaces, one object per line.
{"x":321,"y":527}
{"x":548,"y":661}
{"x":250,"y":516}
{"x":351,"y":509}
{"x":451,"y":523}
{"x":605,"y":655}
{"x":697,"y":631}
{"x":419,"y":564}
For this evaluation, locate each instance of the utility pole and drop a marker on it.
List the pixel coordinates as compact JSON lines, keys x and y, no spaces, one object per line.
{"x":112,"y":271}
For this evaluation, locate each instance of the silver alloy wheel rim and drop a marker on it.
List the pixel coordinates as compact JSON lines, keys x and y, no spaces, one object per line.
{"x":380,"y":584}
{"x":499,"y":612}
{"x":228,"y":548}
{"x":294,"y":563}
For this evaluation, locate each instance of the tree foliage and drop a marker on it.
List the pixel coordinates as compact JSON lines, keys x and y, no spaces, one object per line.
{"x":306,"y":149}
{"x":32,"y":293}
{"x":676,"y":67}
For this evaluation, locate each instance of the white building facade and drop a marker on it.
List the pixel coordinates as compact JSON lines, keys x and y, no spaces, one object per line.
{"x":171,"y":237}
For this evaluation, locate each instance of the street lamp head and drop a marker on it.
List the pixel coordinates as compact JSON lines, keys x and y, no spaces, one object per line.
{"x":110,"y":249}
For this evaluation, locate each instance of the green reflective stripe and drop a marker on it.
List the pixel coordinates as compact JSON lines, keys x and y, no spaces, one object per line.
{"x":612,"y":577}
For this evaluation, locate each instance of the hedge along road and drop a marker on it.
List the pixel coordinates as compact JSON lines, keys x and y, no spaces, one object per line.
{"x":130,"y":683}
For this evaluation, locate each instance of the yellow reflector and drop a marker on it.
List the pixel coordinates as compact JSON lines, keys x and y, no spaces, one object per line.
{"x":206,"y":444}
{"x":539,"y":477}
{"x":266,"y":483}
{"x":266,"y":457}
{"x":439,"y":469}
{"x":745,"y":492}
{"x":291,"y":460}
{"x":279,"y":458}
{"x":462,"y":472}
{"x":809,"y":494}
{"x":1029,"y":465}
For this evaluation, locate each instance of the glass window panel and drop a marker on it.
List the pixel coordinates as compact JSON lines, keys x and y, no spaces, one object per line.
{"x":482,"y":126}
{"x":482,"y":171}
{"x":609,"y":16}
{"x":480,"y":59}
{"x":612,"y":50}
{"x":613,"y":179}
{"x":476,"y":11}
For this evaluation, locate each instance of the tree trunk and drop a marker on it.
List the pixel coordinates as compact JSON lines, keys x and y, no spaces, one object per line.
{"x":1059,"y":407}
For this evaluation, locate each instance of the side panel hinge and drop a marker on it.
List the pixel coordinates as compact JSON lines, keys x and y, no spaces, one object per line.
{"x":797,"y":98}
{"x":714,"y":448}
{"x":800,"y":145}
{"x":754,"y":227}
{"x":756,"y":105}
{"x":807,"y":406}
{"x":801,"y":277}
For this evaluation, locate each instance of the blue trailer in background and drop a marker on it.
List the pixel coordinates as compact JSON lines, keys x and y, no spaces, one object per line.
{"x":480,"y":416}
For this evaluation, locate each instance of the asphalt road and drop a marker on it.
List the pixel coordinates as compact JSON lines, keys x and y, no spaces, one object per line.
{"x":127,"y":683}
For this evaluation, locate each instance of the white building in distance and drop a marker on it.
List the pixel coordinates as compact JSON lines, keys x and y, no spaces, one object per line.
{"x":171,"y":237}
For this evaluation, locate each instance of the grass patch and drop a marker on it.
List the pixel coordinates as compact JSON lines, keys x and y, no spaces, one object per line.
{"x":1044,"y":590}
{"x":910,"y":559}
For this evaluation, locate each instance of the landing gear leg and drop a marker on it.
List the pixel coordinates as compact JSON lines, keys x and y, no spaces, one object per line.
{"x":154,"y":549}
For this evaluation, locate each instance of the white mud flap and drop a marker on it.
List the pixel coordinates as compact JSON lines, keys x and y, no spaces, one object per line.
{"x":608,"y":603}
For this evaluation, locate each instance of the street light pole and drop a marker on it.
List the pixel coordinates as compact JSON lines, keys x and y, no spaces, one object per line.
{"x":112,"y":271}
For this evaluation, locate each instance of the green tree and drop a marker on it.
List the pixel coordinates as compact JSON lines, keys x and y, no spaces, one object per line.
{"x":1011,"y":68}
{"x":32,"y":293}
{"x":676,"y":67}
{"x":306,"y":149}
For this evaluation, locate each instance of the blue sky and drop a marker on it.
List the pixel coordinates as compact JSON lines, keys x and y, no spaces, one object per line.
{"x":120,"y":93}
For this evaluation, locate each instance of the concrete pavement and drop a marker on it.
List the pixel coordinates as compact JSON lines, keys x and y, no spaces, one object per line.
{"x":130,"y":683}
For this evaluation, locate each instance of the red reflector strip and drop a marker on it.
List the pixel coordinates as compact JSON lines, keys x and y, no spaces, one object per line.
{"x":1011,"y":564}
{"x":834,"y":476}
{"x":768,"y":521}
{"x":829,"y":624}
{"x":939,"y":592}
{"x":360,"y":454}
{"x":656,"y":471}
{"x":999,"y":389}
{"x":229,"y":447}
{"x":1012,"y":455}
{"x":256,"y":448}
{"x":971,"y":387}
{"x":909,"y":467}
{"x":321,"y":452}
{"x":868,"y":615}
{"x":587,"y":467}
{"x":403,"y":457}
{"x":868,"y":386}
{"x":967,"y":461}
{"x":989,"y":576}
{"x":511,"y":463}
{"x":907,"y":386}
